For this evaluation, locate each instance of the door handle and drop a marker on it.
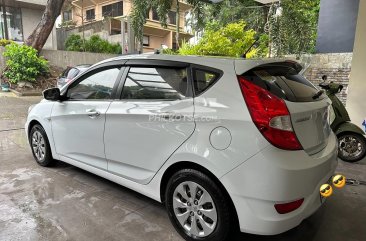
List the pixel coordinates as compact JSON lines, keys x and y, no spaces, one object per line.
{"x":93,"y":113}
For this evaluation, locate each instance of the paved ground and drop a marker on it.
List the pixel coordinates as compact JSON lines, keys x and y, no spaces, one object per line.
{"x":67,"y":203}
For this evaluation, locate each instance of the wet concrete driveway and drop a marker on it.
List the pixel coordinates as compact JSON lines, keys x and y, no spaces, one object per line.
{"x":67,"y":203}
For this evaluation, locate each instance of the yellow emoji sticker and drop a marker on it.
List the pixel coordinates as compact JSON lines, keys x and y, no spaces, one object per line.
{"x":326,"y":190}
{"x":339,"y":181}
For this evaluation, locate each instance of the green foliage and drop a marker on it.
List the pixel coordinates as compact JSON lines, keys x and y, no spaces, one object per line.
{"x":169,"y":51}
{"x":4,"y":42}
{"x":232,"y":40}
{"x":228,"y":11}
{"x":94,"y":44}
{"x":74,"y":43}
{"x":23,"y":63}
{"x":98,"y":45}
{"x":142,"y":7}
{"x":294,"y":32}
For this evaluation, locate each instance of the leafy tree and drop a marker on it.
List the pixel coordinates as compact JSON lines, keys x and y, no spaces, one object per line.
{"x":141,"y":9}
{"x":228,"y":11}
{"x":232,"y":40}
{"x":23,"y":63}
{"x":291,"y":25}
{"x":295,"y":31}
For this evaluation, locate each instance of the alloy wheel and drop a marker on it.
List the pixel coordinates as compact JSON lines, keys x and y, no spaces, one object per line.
{"x":38,"y":145}
{"x":194,"y":208}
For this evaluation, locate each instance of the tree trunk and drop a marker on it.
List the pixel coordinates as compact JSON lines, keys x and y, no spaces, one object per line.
{"x":40,"y":34}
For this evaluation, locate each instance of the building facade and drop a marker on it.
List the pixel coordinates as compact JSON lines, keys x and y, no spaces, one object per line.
{"x":22,"y":16}
{"x":111,"y":18}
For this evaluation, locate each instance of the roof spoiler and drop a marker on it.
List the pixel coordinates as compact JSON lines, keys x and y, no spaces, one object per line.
{"x":244,"y":66}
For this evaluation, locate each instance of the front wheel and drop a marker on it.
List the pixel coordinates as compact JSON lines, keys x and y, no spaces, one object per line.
{"x":351,"y":147}
{"x":40,"y":146}
{"x":197,"y":207}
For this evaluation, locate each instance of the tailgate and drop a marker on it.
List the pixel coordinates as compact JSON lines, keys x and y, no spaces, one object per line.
{"x":311,"y":123}
{"x":309,"y":108}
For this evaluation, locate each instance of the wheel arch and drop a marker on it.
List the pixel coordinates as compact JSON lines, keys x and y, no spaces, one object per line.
{"x":169,"y":172}
{"x":31,"y":124}
{"x":348,"y":127}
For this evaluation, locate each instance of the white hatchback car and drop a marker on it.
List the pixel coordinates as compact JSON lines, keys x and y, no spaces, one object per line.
{"x":223,"y":143}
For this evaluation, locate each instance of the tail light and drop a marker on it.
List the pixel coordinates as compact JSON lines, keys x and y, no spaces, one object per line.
{"x":270,"y":114}
{"x":283,"y":208}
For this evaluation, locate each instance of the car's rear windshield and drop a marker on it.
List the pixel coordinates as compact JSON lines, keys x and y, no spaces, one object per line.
{"x":284,"y":82}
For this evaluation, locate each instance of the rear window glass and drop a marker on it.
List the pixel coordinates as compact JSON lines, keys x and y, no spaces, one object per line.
{"x":203,"y":79}
{"x":156,"y":83}
{"x":285,"y":83}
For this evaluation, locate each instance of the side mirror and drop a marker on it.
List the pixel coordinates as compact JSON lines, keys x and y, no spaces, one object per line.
{"x":52,"y":94}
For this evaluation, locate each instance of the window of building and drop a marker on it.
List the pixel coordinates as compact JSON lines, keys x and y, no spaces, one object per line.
{"x":98,"y":85}
{"x":146,"y":40}
{"x":113,"y":10}
{"x":14,"y":25}
{"x":155,"y":15}
{"x":67,"y":15}
{"x":156,"y":83}
{"x":172,"y":16}
{"x":90,"y":14}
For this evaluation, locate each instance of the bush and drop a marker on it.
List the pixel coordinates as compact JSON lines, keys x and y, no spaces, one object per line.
{"x":4,"y":42}
{"x":232,"y":40}
{"x":23,"y":63}
{"x":74,"y":43}
{"x":95,"y":44}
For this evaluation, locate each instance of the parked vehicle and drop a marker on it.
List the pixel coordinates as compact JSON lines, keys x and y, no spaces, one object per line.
{"x":223,"y":143}
{"x":351,"y":138}
{"x":70,"y":73}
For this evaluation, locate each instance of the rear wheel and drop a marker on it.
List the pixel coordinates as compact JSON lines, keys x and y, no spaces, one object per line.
{"x":40,"y":146}
{"x":197,"y":207}
{"x":351,"y":147}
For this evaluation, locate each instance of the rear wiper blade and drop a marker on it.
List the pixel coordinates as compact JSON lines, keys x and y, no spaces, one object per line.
{"x":318,"y":94}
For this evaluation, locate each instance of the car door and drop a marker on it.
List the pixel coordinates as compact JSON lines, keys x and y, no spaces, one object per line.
{"x":78,"y":122}
{"x":151,"y":120}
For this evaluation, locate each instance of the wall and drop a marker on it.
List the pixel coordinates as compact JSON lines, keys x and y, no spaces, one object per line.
{"x":356,"y":103}
{"x":30,"y":19}
{"x":337,"y":67}
{"x":336,"y":26}
{"x":68,"y":58}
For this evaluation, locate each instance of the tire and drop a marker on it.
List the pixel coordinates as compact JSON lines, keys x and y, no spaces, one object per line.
{"x":40,"y":146}
{"x":221,"y":225}
{"x":345,"y":152}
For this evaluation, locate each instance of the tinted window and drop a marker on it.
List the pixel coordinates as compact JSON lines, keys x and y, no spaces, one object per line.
{"x":203,"y":79}
{"x":90,"y":14}
{"x":66,"y":71}
{"x":113,"y":10}
{"x":98,"y":85}
{"x":72,"y":73}
{"x":155,"y":83}
{"x":172,"y":16}
{"x":284,"y":82}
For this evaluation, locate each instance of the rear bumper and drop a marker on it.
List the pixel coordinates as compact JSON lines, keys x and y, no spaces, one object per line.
{"x":276,"y":176}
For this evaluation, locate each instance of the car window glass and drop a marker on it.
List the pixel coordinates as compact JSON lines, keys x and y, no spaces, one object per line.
{"x":72,"y":73}
{"x":285,"y":83}
{"x":203,"y":79}
{"x":155,"y":83}
{"x":99,"y":85}
{"x":66,"y":71}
